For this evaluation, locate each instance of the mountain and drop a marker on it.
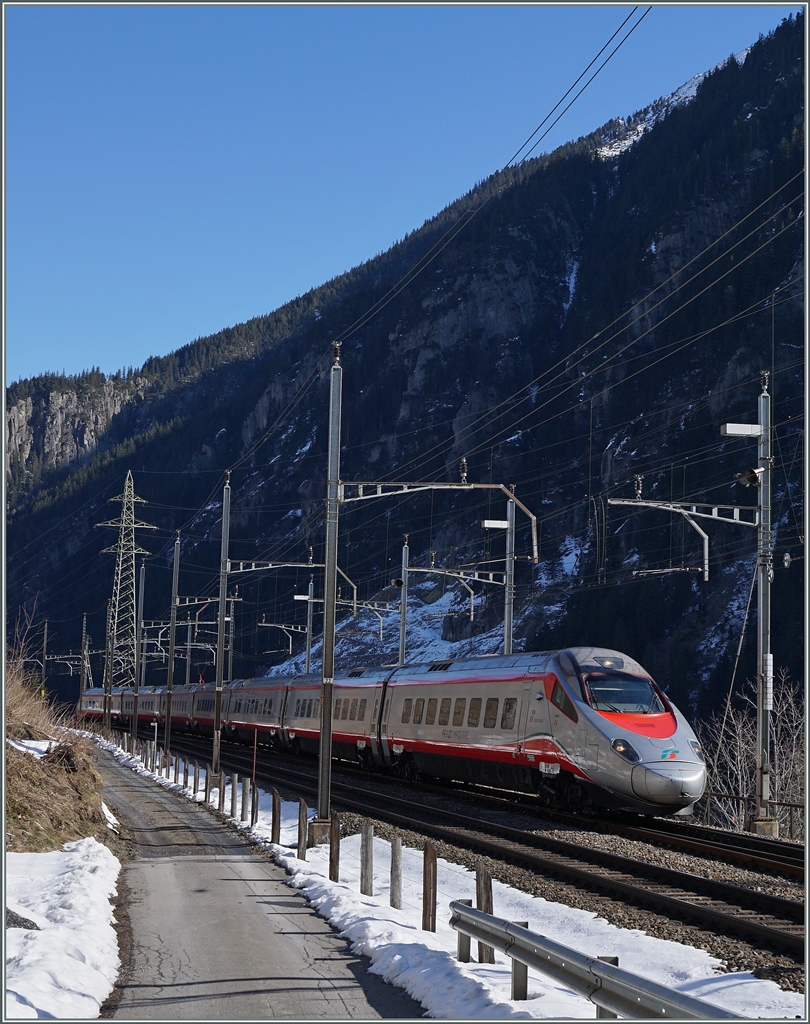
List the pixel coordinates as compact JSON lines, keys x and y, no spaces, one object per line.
{"x":590,"y":315}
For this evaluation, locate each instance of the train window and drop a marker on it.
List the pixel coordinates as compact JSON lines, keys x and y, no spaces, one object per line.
{"x":444,"y":711}
{"x":338,"y":703}
{"x":238,"y":706}
{"x":316,"y":708}
{"x":309,"y":709}
{"x":297,"y":711}
{"x":474,"y":717}
{"x":406,"y":710}
{"x":374,"y":712}
{"x":361,"y":710}
{"x":458,"y":710}
{"x":418,"y":711}
{"x":353,"y":710}
{"x":491,"y":713}
{"x":508,"y":716}
{"x":345,"y":713}
{"x":432,"y":705}
{"x":561,"y":700}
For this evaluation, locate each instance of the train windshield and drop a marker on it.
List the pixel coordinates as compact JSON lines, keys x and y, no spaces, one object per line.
{"x":622,"y":693}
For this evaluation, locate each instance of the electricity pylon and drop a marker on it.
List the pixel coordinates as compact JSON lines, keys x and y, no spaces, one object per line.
{"x":119,"y":669}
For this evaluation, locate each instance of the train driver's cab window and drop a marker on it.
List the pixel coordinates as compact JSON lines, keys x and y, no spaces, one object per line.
{"x":444,"y":711}
{"x":560,"y":699}
{"x":622,"y":693}
{"x":508,"y":716}
{"x":432,"y":707}
{"x":407,"y":707}
{"x":491,"y":713}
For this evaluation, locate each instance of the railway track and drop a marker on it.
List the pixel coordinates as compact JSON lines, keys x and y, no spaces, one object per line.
{"x":766,"y":921}
{"x":757,"y":853}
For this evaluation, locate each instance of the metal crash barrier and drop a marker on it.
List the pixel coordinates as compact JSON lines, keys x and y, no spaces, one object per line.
{"x":616,"y":991}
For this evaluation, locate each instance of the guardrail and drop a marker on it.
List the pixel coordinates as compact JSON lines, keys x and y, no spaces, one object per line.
{"x":615,"y":991}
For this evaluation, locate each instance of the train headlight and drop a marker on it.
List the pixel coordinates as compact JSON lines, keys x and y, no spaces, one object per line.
{"x":625,"y":750}
{"x":697,"y":749}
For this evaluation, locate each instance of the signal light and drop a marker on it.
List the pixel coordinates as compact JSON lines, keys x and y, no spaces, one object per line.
{"x":749,"y":477}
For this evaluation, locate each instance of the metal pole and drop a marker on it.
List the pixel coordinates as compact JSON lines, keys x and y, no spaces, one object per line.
{"x":44,"y":657}
{"x":509,"y":588}
{"x":172,"y":635}
{"x":83,"y":669}
{"x":140,"y":665}
{"x":230,"y":642}
{"x":329,"y":597}
{"x":188,"y":655}
{"x":108,"y":669}
{"x":764,"y":578}
{"x":403,"y":605}
{"x":310,"y":597}
{"x":223,"y":587}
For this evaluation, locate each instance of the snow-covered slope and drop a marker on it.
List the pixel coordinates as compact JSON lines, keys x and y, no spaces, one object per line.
{"x":622,"y":133}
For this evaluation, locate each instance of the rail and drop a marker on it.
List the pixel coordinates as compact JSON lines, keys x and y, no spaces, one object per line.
{"x":616,"y":991}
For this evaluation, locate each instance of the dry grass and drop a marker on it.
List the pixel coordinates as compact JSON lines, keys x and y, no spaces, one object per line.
{"x":28,"y":715}
{"x":58,"y":797}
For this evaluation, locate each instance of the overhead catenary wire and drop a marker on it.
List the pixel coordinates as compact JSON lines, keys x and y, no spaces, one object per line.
{"x":484,"y":418}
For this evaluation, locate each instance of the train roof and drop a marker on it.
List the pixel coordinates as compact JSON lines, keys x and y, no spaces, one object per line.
{"x":586,"y":657}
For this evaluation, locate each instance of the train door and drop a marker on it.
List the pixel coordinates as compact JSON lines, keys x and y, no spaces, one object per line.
{"x":523,"y":717}
{"x":384,"y":713}
{"x":567,"y":733}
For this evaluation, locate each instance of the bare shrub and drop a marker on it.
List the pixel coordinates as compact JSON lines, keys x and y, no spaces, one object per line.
{"x":730,"y":745}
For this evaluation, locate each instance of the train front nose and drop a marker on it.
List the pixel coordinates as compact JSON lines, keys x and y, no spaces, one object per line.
{"x":676,"y":783}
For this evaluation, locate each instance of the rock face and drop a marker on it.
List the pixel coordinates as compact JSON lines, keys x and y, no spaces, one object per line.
{"x":599,"y":317}
{"x":64,"y":427}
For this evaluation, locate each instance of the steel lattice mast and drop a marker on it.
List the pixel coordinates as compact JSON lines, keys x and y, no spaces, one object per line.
{"x":119,"y":669}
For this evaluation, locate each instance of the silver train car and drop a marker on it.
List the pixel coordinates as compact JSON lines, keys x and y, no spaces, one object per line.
{"x":581,"y":727}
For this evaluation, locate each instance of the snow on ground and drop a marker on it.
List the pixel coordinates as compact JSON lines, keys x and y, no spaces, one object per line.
{"x":67,"y":968}
{"x":423,"y":963}
{"x":36,"y":748}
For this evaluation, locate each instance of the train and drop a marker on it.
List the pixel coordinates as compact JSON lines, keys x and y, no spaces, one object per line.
{"x":581,"y":728}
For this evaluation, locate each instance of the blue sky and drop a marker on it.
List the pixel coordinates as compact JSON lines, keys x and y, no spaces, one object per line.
{"x":173,"y":170}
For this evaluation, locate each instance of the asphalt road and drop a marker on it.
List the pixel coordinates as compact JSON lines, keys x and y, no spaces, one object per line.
{"x":213,"y":933}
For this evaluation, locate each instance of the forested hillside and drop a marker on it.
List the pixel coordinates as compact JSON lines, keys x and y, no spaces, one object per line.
{"x":600,"y":313}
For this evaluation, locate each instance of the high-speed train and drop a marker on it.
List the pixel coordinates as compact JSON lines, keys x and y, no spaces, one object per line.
{"x":581,"y":727}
